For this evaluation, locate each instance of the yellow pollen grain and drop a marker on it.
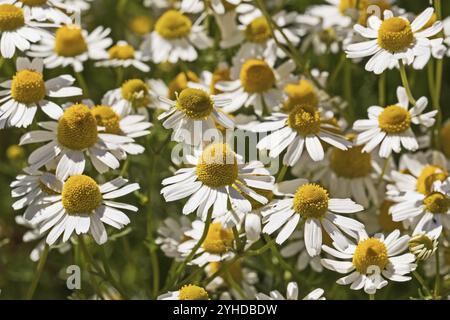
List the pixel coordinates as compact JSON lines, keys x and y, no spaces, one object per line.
{"x":11,"y":17}
{"x":193,"y":292}
{"x":195,"y":103}
{"x":300,"y":93}
{"x":121,"y":52}
{"x":258,"y":30}
{"x":69,"y":41}
{"x":136,"y":91}
{"x":81,"y":195}
{"x":140,"y":25}
{"x":106,"y":117}
{"x":395,"y":34}
{"x":428,"y":176}
{"x":173,"y":25}
{"x":180,"y":82}
{"x":394,"y":119}
{"x":437,"y":203}
{"x":370,"y":253}
{"x":305,"y":119}
{"x":311,"y":201}
{"x":257,"y":76}
{"x":217,"y":166}
{"x":28,"y":87}
{"x":218,"y":240}
{"x":351,"y":163}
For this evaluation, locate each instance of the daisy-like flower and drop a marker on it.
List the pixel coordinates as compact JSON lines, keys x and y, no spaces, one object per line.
{"x":44,"y":10}
{"x":423,"y":244}
{"x":187,"y":292}
{"x":393,"y":39}
{"x":303,"y":127}
{"x":291,"y":294}
{"x":175,"y":38}
{"x":27,"y":91}
{"x":258,"y":35}
{"x":256,"y":82}
{"x":82,"y":206}
{"x":135,"y":96}
{"x":171,"y":235}
{"x":216,"y":178}
{"x":429,"y":210}
{"x":78,"y":5}
{"x":124,"y":55}
{"x":131,"y":126}
{"x":296,"y":246}
{"x":446,"y":23}
{"x":17,"y":30}
{"x":310,"y":204}
{"x":215,"y":248}
{"x":371,"y":261}
{"x":194,"y":113}
{"x":73,"y":134}
{"x":234,"y":273}
{"x":72,"y":46}
{"x":218,"y":6}
{"x":391,"y":127}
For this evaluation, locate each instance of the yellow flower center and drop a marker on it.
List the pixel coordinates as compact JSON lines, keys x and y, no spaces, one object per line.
{"x":421,"y":239}
{"x":352,"y":163}
{"x":437,"y":202}
{"x":385,"y":219}
{"x":300,"y":94}
{"x":46,"y":189}
{"x":136,"y":91}
{"x":15,"y":152}
{"x":28,"y":87}
{"x":219,"y":75}
{"x":370,"y":253}
{"x":81,"y":195}
{"x":193,"y":292}
{"x":305,"y":119}
{"x":445,"y":139}
{"x":173,"y":25}
{"x":428,"y":176}
{"x":257,"y":76}
{"x":195,"y":103}
{"x":106,"y":117}
{"x":218,"y":240}
{"x":121,"y":52}
{"x":258,"y":30}
{"x":181,"y":82}
{"x":311,"y":201}
{"x":394,"y":119}
{"x":11,"y":17}
{"x":234,"y":270}
{"x":140,"y":25}
{"x":33,"y":3}
{"x":69,"y":41}
{"x":217,"y":166}
{"x":395,"y":34}
{"x":77,"y":128}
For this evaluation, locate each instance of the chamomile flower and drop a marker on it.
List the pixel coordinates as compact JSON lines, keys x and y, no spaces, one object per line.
{"x":80,"y":205}
{"x":428,"y":210}
{"x":423,"y":244}
{"x":446,"y":23}
{"x":291,"y":294}
{"x":391,"y":127}
{"x":302,"y":128}
{"x":256,"y":82}
{"x":124,"y":55}
{"x":72,"y":135}
{"x":171,"y":235}
{"x":27,"y":91}
{"x":215,"y":248}
{"x":72,"y":46}
{"x":393,"y":39}
{"x":235,"y":273}
{"x":371,"y":261}
{"x":218,"y":6}
{"x":215,"y":178}
{"x":175,"y":38}
{"x":310,"y":204}
{"x":187,"y":292}
{"x":231,"y":33}
{"x":295,"y":246}
{"x":31,"y":187}
{"x":44,"y":10}
{"x":193,"y":114}
{"x":17,"y":30}
{"x":131,"y":126}
{"x":78,"y":5}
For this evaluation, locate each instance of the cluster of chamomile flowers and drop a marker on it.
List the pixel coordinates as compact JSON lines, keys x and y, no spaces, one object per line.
{"x":365,"y":198}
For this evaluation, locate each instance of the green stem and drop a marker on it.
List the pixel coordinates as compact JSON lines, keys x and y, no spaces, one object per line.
{"x":348,"y":89}
{"x":405,"y":82}
{"x":124,"y":170}
{"x":282,"y":173}
{"x":385,"y":167}
{"x":119,"y":76}
{"x":371,"y":296}
{"x":82,"y":83}
{"x":38,"y":274}
{"x":437,"y":280}
{"x":382,"y":89}
{"x":421,"y":281}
